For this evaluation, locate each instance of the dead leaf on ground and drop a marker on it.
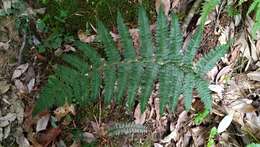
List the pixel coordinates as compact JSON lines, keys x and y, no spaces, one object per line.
{"x":225,"y":123}
{"x":166,"y":4}
{"x":64,"y":110}
{"x":7,"y":119}
{"x":139,"y":117}
{"x":88,"y":137}
{"x":254,"y":76}
{"x":85,"y":38}
{"x":20,"y":70}
{"x":42,"y":123}
{"x":4,"y":87}
{"x":20,"y":86}
{"x":48,"y":136}
{"x":4,"y":46}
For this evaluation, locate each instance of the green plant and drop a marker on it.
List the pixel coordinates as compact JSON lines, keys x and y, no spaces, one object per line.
{"x":199,"y":117}
{"x":253,"y":145}
{"x":212,"y":135}
{"x":254,"y":7}
{"x":207,"y":7}
{"x":87,"y":71}
{"x":126,"y":128}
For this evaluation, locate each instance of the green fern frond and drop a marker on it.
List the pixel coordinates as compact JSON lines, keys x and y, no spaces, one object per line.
{"x":192,"y":47}
{"x":164,"y":88}
{"x":110,"y":48}
{"x":162,"y":37}
{"x":145,"y":35}
{"x":126,"y":129}
{"x":207,"y":62}
{"x":150,"y":74}
{"x":208,"y":6}
{"x":188,"y":85}
{"x":86,"y":72}
{"x":134,"y":81}
{"x":175,"y":39}
{"x":204,"y":93}
{"x":177,"y":86}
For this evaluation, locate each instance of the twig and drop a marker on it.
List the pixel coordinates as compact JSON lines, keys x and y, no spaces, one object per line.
{"x":20,"y":56}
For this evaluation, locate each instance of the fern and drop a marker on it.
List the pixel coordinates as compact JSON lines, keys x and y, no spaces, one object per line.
{"x":81,"y":79}
{"x":207,"y":7}
{"x":255,"y":6}
{"x":126,"y":129}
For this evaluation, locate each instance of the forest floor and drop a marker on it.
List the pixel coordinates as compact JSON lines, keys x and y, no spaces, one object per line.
{"x":234,"y":82}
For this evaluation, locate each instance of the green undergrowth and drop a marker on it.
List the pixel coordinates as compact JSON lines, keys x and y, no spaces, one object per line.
{"x":88,"y":75}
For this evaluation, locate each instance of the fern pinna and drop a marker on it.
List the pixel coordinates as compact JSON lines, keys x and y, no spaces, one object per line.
{"x":124,"y":74}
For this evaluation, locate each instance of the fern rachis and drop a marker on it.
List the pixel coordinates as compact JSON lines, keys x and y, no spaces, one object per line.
{"x":81,"y":81}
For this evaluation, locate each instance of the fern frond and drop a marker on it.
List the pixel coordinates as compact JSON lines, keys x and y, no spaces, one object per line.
{"x":80,"y":79}
{"x":76,"y":62}
{"x":123,"y":72}
{"x":175,"y":39}
{"x":177,"y":86}
{"x":126,"y":129}
{"x":129,"y":51}
{"x":89,"y":53}
{"x":192,"y":47}
{"x":189,"y":83}
{"x":110,"y":48}
{"x":165,"y":83}
{"x":253,"y":6}
{"x":150,"y":74}
{"x":95,"y":83}
{"x":208,"y":6}
{"x":204,"y":93}
{"x":207,"y":62}
{"x":145,"y":35}
{"x":162,"y":37}
{"x":134,"y":81}
{"x":109,"y":81}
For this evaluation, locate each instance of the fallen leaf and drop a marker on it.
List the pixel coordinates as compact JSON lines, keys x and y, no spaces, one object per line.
{"x":242,"y":105}
{"x":42,"y":123}
{"x":88,"y":137}
{"x":23,"y":142}
{"x":49,"y":136}
{"x":64,"y":110}
{"x":225,"y":122}
{"x":20,"y":86}
{"x":68,"y":48}
{"x":218,"y":89}
{"x":157,"y":145}
{"x":85,"y":38}
{"x":30,"y":85}
{"x":139,"y":117}
{"x":20,"y":70}
{"x":254,"y":76}
{"x":4,"y":46}
{"x":6,"y":120}
{"x":166,"y":4}
{"x":4,"y":87}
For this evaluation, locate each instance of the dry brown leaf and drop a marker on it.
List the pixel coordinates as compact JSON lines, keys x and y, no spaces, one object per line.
{"x":20,"y":70}
{"x":139,"y":117}
{"x":88,"y":137}
{"x":49,"y":136}
{"x":166,"y":4}
{"x":20,"y":86}
{"x":4,"y":87}
{"x":42,"y":123}
{"x":64,"y":110}
{"x":242,"y":105}
{"x":254,"y":76}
